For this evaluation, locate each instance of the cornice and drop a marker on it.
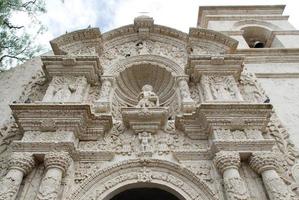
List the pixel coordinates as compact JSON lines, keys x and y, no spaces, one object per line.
{"x":247,"y":10}
{"x":59,"y":65}
{"x":229,"y":64}
{"x":73,"y":117}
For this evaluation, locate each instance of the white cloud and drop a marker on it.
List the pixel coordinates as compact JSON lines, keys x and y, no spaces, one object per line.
{"x":70,"y":15}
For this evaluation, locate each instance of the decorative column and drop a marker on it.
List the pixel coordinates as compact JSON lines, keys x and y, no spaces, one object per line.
{"x":187,"y":103}
{"x":56,"y":163}
{"x":266,"y":164}
{"x":20,"y":164}
{"x":228,"y":164}
{"x":103,"y":103}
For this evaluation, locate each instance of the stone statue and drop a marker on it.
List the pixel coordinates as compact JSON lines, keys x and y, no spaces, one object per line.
{"x":147,"y":98}
{"x":145,"y":141}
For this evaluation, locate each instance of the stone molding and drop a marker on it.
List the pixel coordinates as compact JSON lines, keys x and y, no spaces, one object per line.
{"x":22,"y":161}
{"x":90,"y":37}
{"x":60,"y":160}
{"x":145,"y":119}
{"x":227,"y":159}
{"x":153,"y":171}
{"x":78,"y":118}
{"x":263,"y":161}
{"x":143,"y":27}
{"x":223,"y":65}
{"x":87,"y":66}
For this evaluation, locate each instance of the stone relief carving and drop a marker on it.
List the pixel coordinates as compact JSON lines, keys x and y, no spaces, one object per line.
{"x":194,"y":92}
{"x":276,"y":130}
{"x":64,"y":89}
{"x":250,"y":88}
{"x":201,"y":47}
{"x":126,"y":144}
{"x":228,"y":164}
{"x":144,"y":144}
{"x":8,"y":133}
{"x":226,"y":134}
{"x":147,"y":171}
{"x":219,"y":88}
{"x":133,"y":48}
{"x":235,"y":188}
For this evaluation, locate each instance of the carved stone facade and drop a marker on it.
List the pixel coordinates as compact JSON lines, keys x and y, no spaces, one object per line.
{"x":146,"y":105}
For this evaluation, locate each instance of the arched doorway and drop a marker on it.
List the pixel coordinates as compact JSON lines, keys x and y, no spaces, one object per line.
{"x":106,"y":183}
{"x":144,"y":194}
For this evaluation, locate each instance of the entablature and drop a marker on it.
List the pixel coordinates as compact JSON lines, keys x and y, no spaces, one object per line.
{"x":77,"y":118}
{"x":59,"y":65}
{"x":222,"y":65}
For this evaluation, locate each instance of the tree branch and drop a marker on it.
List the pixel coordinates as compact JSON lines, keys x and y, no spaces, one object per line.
{"x":10,"y":26}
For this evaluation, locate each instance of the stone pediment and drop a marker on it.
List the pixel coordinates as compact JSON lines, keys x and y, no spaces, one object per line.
{"x":91,"y":41}
{"x":87,"y":66}
{"x":77,"y":118}
{"x":145,"y":119}
{"x":85,"y":41}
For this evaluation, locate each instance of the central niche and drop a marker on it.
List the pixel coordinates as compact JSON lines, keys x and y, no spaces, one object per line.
{"x":130,"y":81}
{"x":144,"y":194}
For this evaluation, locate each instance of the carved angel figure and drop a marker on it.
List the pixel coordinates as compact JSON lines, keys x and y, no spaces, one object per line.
{"x":147,"y":98}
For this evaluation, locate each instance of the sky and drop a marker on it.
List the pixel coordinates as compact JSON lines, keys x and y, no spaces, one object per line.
{"x":70,"y":15}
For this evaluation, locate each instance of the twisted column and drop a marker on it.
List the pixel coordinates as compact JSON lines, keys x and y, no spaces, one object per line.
{"x":228,"y":164}
{"x":266,"y":164}
{"x":56,"y":165}
{"x":20,"y":164}
{"x":188,"y":105}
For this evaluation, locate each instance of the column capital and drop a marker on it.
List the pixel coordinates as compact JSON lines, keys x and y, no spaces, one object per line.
{"x":109,"y":78}
{"x":59,"y":160}
{"x":227,"y":159}
{"x":262,"y":161}
{"x":22,"y":161}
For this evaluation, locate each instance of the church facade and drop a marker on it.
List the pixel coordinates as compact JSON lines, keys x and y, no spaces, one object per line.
{"x":145,"y":111}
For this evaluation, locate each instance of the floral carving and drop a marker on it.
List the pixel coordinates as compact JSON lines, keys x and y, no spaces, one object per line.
{"x":235,"y":189}
{"x":250,"y":88}
{"x":227,"y":159}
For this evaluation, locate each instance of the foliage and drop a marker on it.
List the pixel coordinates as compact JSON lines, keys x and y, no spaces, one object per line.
{"x":17,"y":42}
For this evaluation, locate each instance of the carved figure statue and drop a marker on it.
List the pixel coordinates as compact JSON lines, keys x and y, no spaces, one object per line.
{"x":147,"y":98}
{"x":145,"y":140}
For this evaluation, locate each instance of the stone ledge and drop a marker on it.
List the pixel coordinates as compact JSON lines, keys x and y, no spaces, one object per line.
{"x":87,"y":66}
{"x":77,"y":118}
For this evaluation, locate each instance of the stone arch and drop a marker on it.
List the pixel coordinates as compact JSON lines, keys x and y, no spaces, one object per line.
{"x":152,"y":172}
{"x":157,"y":60}
{"x":252,"y":22}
